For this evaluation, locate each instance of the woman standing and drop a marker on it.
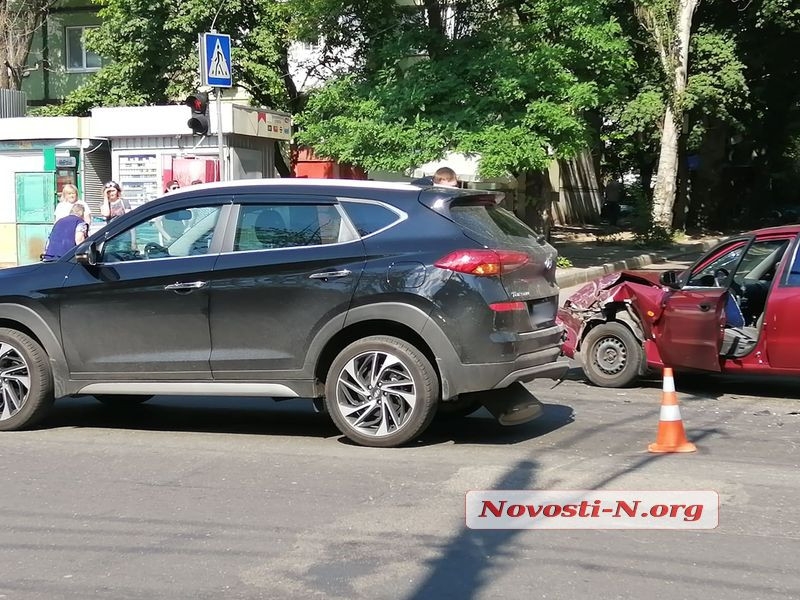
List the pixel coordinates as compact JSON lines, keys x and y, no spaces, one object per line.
{"x":114,"y":205}
{"x":69,"y":197}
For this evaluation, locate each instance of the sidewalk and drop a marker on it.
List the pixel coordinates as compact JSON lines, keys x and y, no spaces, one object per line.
{"x":597,"y":253}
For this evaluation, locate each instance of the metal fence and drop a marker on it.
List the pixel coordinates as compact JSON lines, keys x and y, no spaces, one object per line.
{"x":12,"y":103}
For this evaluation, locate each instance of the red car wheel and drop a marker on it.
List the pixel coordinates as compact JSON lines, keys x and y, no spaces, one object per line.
{"x":611,"y":355}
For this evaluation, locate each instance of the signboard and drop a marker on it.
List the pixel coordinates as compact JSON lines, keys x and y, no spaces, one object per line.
{"x":66,"y":162}
{"x":215,"y":60}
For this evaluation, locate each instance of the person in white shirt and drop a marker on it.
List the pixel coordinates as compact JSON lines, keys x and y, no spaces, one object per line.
{"x":69,"y":197}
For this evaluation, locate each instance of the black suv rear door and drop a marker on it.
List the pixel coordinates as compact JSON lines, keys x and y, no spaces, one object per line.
{"x":289,"y":267}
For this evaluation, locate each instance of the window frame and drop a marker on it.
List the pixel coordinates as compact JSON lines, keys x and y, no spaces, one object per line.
{"x":220,"y":231}
{"x":68,"y":55}
{"x":401,"y":215}
{"x":228,"y":244}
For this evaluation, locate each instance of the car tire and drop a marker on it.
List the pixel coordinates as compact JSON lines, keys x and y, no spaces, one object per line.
{"x":611,"y":355}
{"x":387,"y":411}
{"x":26,"y":381}
{"x":120,"y":400}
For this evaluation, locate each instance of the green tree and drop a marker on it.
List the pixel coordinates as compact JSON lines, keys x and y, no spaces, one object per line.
{"x":712,"y":104}
{"x":669,"y":23}
{"x":19,"y":21}
{"x":151,"y":47}
{"x":511,"y":81}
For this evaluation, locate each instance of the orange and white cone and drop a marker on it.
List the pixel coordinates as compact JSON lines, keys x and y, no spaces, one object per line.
{"x":670,"y":437}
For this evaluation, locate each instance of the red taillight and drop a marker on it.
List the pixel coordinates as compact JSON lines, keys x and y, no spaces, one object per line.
{"x":483,"y":262}
{"x":508,"y":306}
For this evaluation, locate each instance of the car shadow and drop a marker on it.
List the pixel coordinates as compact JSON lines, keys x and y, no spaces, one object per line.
{"x":710,"y":386}
{"x":259,"y":416}
{"x":205,"y":414}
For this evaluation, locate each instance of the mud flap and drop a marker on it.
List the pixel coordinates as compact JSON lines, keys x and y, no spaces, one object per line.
{"x":512,"y":405}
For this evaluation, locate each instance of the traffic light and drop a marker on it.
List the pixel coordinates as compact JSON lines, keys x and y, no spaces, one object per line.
{"x":198,"y":122}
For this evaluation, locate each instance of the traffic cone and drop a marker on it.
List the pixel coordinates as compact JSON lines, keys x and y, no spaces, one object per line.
{"x":670,"y":437}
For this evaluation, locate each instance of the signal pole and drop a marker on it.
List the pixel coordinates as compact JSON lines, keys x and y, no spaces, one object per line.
{"x":215,"y":71}
{"x":220,"y":140}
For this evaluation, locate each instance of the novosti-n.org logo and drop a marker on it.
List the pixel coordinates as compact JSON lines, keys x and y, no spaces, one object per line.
{"x":592,"y":509}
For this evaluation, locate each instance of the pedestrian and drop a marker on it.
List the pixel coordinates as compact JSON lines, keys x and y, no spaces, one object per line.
{"x":114,"y":205}
{"x":67,"y":233}
{"x":68,"y":198}
{"x":611,"y":208}
{"x":445,"y":176}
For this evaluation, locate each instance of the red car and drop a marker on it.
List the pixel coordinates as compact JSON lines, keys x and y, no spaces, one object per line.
{"x":736,"y":310}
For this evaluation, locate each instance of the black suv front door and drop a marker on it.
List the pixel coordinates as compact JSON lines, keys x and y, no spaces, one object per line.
{"x":289,"y":267}
{"x":142,"y":311}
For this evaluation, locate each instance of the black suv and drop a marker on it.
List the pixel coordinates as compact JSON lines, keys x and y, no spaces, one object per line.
{"x":388,"y":301}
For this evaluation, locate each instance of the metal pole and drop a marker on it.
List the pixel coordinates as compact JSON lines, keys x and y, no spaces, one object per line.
{"x":222,"y":170}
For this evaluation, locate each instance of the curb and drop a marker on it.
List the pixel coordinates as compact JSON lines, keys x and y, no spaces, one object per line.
{"x":566,"y":278}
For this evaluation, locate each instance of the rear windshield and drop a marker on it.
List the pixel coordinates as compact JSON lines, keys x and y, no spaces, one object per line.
{"x":492,"y":222}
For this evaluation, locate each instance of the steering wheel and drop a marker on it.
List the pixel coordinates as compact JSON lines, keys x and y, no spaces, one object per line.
{"x":722,"y":278}
{"x":152,"y":249}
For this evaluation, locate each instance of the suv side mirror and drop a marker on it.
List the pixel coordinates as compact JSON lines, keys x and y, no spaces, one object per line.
{"x":86,"y":254}
{"x":670,"y":279}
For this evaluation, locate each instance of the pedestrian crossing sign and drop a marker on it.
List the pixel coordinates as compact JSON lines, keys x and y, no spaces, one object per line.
{"x":215,"y":60}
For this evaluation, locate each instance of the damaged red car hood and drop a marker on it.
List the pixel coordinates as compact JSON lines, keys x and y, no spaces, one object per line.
{"x":618,"y":286}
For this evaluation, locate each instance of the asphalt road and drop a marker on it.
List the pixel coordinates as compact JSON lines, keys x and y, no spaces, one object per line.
{"x":239,"y":498}
{"x":215,"y":497}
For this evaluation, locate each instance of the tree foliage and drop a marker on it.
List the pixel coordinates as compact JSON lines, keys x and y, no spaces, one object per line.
{"x":517,"y":81}
{"x":511,"y":81}
{"x":152,"y":58}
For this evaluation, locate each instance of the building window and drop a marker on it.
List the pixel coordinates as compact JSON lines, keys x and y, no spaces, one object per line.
{"x":78,"y":57}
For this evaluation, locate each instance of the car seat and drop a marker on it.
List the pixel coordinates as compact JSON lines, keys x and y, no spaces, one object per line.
{"x":270,"y":228}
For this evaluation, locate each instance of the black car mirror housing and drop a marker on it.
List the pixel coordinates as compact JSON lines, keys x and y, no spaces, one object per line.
{"x":86,"y":254}
{"x":670,"y":279}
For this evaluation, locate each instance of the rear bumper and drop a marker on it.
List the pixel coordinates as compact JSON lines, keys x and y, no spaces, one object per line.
{"x":462,"y":378}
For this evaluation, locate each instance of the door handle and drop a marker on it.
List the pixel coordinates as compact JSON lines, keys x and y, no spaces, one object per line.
{"x":330,"y":274}
{"x":185,"y":287}
{"x":705,"y":307}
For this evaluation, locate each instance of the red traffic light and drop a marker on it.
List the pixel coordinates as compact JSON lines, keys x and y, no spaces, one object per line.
{"x":198,"y":122}
{"x":198,"y":102}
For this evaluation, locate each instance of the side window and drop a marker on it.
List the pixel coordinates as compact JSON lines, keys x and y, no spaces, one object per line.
{"x":368,"y":217}
{"x":727,"y":260}
{"x":759,"y":263}
{"x":268,"y":226}
{"x":184,"y":232}
{"x":761,"y":260}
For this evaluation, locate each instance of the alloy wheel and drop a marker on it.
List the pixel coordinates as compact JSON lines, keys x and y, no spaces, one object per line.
{"x":15,"y":381}
{"x":376,"y":393}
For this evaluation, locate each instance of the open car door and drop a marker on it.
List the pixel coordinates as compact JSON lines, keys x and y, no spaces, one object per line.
{"x":689,"y":332}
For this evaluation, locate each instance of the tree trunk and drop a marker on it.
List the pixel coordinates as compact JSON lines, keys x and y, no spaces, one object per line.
{"x":19,"y":21}
{"x":5,"y":81}
{"x":673,"y":47}
{"x":682,"y":200}
{"x":664,"y":191}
